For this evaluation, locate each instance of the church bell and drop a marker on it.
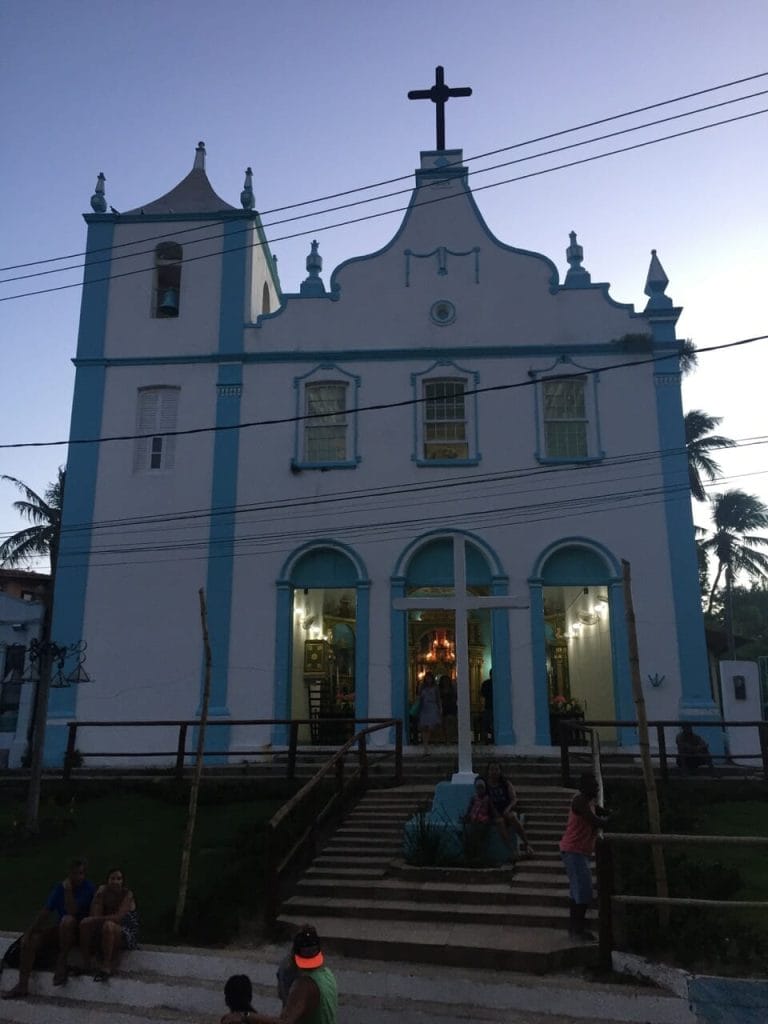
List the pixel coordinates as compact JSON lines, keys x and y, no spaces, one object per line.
{"x":169,"y":304}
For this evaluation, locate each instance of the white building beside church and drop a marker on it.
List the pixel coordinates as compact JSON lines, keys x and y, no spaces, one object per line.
{"x":466,"y":389}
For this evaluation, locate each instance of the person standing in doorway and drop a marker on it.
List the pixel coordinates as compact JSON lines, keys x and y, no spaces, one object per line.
{"x":447,"y":688}
{"x":576,"y":848}
{"x":486,"y":718}
{"x":430,"y":711}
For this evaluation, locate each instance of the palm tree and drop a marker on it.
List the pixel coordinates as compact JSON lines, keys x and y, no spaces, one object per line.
{"x":42,"y":538}
{"x":699,"y":442}
{"x":689,"y":357}
{"x":736,"y":546}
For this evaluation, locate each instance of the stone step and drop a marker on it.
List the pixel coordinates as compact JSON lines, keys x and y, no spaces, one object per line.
{"x":535,"y":950}
{"x":374,"y":909}
{"x":342,"y":875}
{"x":425,"y":892}
{"x":351,"y":861}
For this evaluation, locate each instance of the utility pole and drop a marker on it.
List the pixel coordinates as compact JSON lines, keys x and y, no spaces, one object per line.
{"x":186,"y":851}
{"x":651,"y":795}
{"x":45,"y":653}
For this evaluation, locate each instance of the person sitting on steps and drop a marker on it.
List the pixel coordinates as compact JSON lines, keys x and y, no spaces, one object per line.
{"x":505,"y":806}
{"x":112,"y":924}
{"x":70,"y":900}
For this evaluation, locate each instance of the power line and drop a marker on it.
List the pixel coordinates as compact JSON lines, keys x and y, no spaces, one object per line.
{"x":190,"y":518}
{"x":373,"y":199}
{"x":405,"y":177}
{"x":387,"y":213}
{"x":377,"y":406}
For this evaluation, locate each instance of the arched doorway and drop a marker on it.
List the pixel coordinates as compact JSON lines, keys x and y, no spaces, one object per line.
{"x":580,"y":638}
{"x":322,"y":656}
{"x":428,"y":637}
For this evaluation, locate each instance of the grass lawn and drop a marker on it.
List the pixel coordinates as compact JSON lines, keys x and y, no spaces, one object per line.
{"x":714,"y":939}
{"x":142,"y":833}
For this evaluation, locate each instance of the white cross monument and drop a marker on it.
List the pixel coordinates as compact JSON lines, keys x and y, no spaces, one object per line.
{"x":460,"y":603}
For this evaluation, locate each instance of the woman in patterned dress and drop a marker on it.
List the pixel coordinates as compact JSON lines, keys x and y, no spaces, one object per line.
{"x":111,"y":926}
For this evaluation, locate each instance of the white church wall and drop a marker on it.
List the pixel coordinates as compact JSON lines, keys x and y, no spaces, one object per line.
{"x":131,"y":329}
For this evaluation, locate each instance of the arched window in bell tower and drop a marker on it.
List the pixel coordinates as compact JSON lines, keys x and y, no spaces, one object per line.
{"x":167,"y":285}
{"x":266,"y":303}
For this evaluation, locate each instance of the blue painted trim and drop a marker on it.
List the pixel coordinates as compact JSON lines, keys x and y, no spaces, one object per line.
{"x":218,"y":736}
{"x":613,"y":566}
{"x":362,"y":648}
{"x":82,"y":466}
{"x":281,"y":697}
{"x":225,"y":472}
{"x":323,"y":542}
{"x":689,"y":618}
{"x":413,"y":546}
{"x":327,"y":373}
{"x":585,"y":460}
{"x":361,"y":355}
{"x":447,"y":462}
{"x":539,"y":659}
{"x":325,"y":465}
{"x":503,"y":710}
{"x":398,"y":639}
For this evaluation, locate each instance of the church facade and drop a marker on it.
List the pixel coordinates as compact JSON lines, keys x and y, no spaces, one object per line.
{"x":314,"y":459}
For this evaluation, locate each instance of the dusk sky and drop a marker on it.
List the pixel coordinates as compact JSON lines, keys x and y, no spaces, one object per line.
{"x":313,"y":97}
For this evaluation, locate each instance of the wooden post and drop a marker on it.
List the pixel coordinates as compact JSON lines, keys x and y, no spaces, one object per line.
{"x":181,"y":750}
{"x":763,"y":733}
{"x":293,"y":743}
{"x":399,"y":752}
{"x":652,"y":798}
{"x":663,"y":752}
{"x":186,"y":851}
{"x":69,"y":757}
{"x":605,"y":890}
{"x":362,"y":756}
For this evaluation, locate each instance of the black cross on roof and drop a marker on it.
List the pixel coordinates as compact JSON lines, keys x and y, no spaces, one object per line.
{"x":439,"y":94}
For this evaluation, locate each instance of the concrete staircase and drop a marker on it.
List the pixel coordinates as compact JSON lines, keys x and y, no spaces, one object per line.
{"x":366,"y":902}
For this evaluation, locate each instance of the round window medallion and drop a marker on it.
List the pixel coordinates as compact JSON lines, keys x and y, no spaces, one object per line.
{"x":443,"y":312}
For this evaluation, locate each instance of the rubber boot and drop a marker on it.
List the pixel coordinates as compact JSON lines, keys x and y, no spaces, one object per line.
{"x":572,"y":922}
{"x":581,"y":932}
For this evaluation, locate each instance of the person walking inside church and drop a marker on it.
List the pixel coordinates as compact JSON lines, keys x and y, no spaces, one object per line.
{"x":486,"y":718}
{"x":430,"y":710}
{"x":448,"y":702}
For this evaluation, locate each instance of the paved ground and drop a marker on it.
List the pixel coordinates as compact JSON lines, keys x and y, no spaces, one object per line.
{"x":161,"y":984}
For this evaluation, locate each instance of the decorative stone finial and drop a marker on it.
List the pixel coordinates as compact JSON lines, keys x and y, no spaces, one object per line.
{"x":313,"y":284}
{"x":98,"y":199}
{"x":577,"y":276}
{"x":199,"y":164}
{"x":246,"y":196}
{"x":656,"y":285}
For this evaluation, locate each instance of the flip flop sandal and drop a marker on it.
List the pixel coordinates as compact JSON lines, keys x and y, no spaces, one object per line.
{"x":101,"y":976}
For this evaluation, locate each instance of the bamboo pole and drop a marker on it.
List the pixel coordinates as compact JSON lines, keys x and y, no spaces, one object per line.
{"x":652,"y":797}
{"x":186,"y":851}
